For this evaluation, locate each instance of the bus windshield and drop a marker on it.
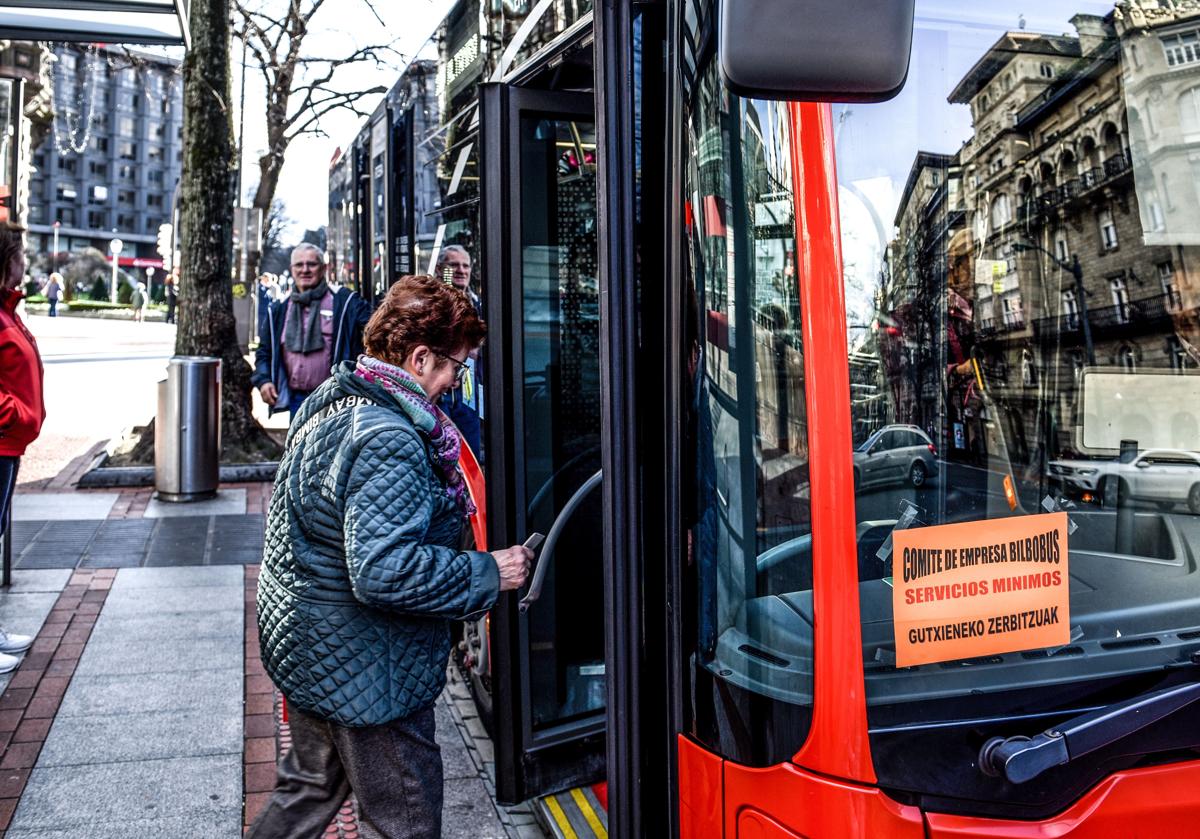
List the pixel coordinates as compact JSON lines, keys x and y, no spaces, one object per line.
{"x":1019,"y":231}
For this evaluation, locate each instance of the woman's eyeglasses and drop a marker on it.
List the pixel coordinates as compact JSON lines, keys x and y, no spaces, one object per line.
{"x":460,"y":368}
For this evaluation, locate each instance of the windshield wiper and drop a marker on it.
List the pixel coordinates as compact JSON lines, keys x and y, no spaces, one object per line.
{"x":1019,"y":759}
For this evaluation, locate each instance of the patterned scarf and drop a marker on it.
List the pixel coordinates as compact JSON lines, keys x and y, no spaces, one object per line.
{"x":302,"y":330}
{"x":428,"y":419}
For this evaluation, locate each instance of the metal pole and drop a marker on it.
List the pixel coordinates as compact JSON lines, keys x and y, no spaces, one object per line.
{"x":7,"y":546}
{"x":113,"y":291}
{"x":1081,"y":296}
{"x":54,"y":261}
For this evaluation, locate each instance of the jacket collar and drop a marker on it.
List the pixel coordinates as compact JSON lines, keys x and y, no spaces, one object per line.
{"x":10,"y":298}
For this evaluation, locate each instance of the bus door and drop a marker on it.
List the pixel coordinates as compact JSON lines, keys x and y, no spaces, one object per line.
{"x":543,"y":435}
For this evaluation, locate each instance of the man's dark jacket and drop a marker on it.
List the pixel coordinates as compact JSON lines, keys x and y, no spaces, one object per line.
{"x":361,"y":574}
{"x":350,"y":315}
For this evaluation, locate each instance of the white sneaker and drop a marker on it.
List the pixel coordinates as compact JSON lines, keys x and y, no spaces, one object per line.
{"x":11,"y":642}
{"x":8,"y":663}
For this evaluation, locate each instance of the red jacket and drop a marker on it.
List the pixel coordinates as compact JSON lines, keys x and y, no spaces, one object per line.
{"x":22,"y":408}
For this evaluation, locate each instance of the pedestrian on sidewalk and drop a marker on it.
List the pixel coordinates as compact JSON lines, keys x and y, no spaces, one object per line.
{"x":171,"y":293}
{"x":361,"y":574}
{"x":306,"y":334}
{"x":22,"y":408}
{"x":53,"y":290}
{"x":464,"y":405}
{"x":138,"y":301}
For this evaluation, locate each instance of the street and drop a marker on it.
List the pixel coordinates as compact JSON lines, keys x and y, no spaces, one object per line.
{"x":101,"y":378}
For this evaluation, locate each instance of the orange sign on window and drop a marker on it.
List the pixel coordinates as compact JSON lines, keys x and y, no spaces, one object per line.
{"x":980,"y":588}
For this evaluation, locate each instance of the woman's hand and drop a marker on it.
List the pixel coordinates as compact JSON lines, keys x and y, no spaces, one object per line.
{"x":514,"y":566}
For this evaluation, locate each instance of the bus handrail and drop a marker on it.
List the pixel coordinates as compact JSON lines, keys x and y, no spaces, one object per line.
{"x":573,"y":503}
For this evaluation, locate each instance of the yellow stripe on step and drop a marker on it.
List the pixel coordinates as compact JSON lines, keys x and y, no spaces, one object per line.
{"x":589,"y":813}
{"x":560,"y":817}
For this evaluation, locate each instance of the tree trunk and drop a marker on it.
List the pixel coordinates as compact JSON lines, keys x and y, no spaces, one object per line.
{"x":205,"y":313}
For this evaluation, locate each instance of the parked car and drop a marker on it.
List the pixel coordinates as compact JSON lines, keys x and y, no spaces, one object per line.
{"x":1164,"y":476}
{"x":895,"y":454}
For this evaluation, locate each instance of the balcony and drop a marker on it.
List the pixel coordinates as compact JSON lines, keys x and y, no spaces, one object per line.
{"x":1148,"y":315}
{"x":1037,"y":209}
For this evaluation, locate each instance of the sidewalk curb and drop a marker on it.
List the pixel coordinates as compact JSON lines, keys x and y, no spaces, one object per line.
{"x":106,"y":477}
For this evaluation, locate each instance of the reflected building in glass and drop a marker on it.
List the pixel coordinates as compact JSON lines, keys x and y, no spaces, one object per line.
{"x":1057,"y":240}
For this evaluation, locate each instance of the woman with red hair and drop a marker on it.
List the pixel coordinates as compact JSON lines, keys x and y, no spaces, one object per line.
{"x":362,"y":574}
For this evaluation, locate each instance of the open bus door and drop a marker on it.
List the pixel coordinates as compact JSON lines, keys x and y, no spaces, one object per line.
{"x":543,"y":435}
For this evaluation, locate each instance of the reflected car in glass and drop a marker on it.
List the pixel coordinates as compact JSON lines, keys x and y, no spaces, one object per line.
{"x":895,"y":454}
{"x":1164,"y":476}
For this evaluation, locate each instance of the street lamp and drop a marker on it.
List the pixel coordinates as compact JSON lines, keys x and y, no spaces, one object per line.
{"x":115,"y":247}
{"x":1080,"y":292}
{"x":149,"y":282}
{"x":54,"y":261}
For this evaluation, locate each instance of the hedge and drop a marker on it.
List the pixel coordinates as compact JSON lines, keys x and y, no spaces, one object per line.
{"x":78,"y":305}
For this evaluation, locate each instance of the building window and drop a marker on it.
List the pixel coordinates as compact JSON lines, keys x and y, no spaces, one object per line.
{"x":97,"y":220}
{"x":1189,"y":114}
{"x":1177,"y":354}
{"x":1070,"y":309}
{"x":125,"y":174}
{"x":67,"y":216}
{"x":1001,"y":213}
{"x":1166,"y":192}
{"x":125,"y":126}
{"x":66,"y":164}
{"x":1010,"y":304}
{"x":126,"y":222}
{"x":1046,"y":70}
{"x":1108,"y":230}
{"x":126,"y":197}
{"x":983,"y":103}
{"x":155,"y":177}
{"x":1157,"y":220}
{"x":1120,"y":298}
{"x":1028,"y":371}
{"x":98,"y":169}
{"x":154,"y":200}
{"x":99,"y":143}
{"x":127,"y":151}
{"x":99,"y":194}
{"x":996,"y":164}
{"x":1127,"y":358}
{"x":155,"y":130}
{"x":154,"y":154}
{"x":128,"y":77}
{"x":1166,"y":277}
{"x":1062,"y":249}
{"x":1181,"y":49}
{"x":65,"y":192}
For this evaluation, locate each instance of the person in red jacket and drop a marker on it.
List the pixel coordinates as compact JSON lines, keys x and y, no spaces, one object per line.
{"x":21,"y":406}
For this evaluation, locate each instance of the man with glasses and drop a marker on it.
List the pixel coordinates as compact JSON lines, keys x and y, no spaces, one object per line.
{"x":463,"y":404}
{"x":306,"y":334}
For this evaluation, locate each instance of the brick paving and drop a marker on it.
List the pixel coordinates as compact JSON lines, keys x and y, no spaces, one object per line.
{"x":69,"y":786}
{"x":33,"y":694}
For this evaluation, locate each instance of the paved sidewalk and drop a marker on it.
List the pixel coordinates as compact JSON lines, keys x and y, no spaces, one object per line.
{"x":142,"y":709}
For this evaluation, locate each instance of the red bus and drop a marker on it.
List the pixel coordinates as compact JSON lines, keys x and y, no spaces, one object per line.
{"x":848,"y":353}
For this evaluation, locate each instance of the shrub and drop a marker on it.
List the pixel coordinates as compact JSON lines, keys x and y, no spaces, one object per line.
{"x":124,"y":292}
{"x":99,"y":289}
{"x":95,"y":306}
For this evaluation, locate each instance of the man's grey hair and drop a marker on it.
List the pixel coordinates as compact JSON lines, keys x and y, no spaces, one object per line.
{"x":449,"y":249}
{"x":309,"y":246}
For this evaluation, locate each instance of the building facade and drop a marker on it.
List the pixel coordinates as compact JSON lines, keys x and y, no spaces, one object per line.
{"x":111,"y":163}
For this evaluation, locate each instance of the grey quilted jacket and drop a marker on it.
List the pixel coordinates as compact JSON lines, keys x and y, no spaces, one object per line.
{"x":361,"y":575}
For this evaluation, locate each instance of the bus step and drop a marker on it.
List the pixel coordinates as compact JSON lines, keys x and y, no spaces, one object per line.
{"x":579,"y":813}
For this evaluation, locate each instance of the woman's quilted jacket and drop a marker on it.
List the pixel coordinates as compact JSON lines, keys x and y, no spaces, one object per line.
{"x":361,"y":575}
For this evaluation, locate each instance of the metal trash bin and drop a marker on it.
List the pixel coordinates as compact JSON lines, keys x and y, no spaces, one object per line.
{"x":187,"y":431}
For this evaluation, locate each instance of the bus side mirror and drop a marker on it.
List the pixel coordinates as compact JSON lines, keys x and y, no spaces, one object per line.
{"x":816,"y":50}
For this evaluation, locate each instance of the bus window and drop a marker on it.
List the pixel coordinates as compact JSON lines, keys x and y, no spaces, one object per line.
{"x":1019,"y":231}
{"x":750,"y":536}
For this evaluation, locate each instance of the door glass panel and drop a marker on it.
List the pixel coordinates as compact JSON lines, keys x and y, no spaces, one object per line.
{"x":561,"y":403}
{"x":1020,"y":232}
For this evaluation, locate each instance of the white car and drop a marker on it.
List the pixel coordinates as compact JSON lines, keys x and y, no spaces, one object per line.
{"x":1164,"y":476}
